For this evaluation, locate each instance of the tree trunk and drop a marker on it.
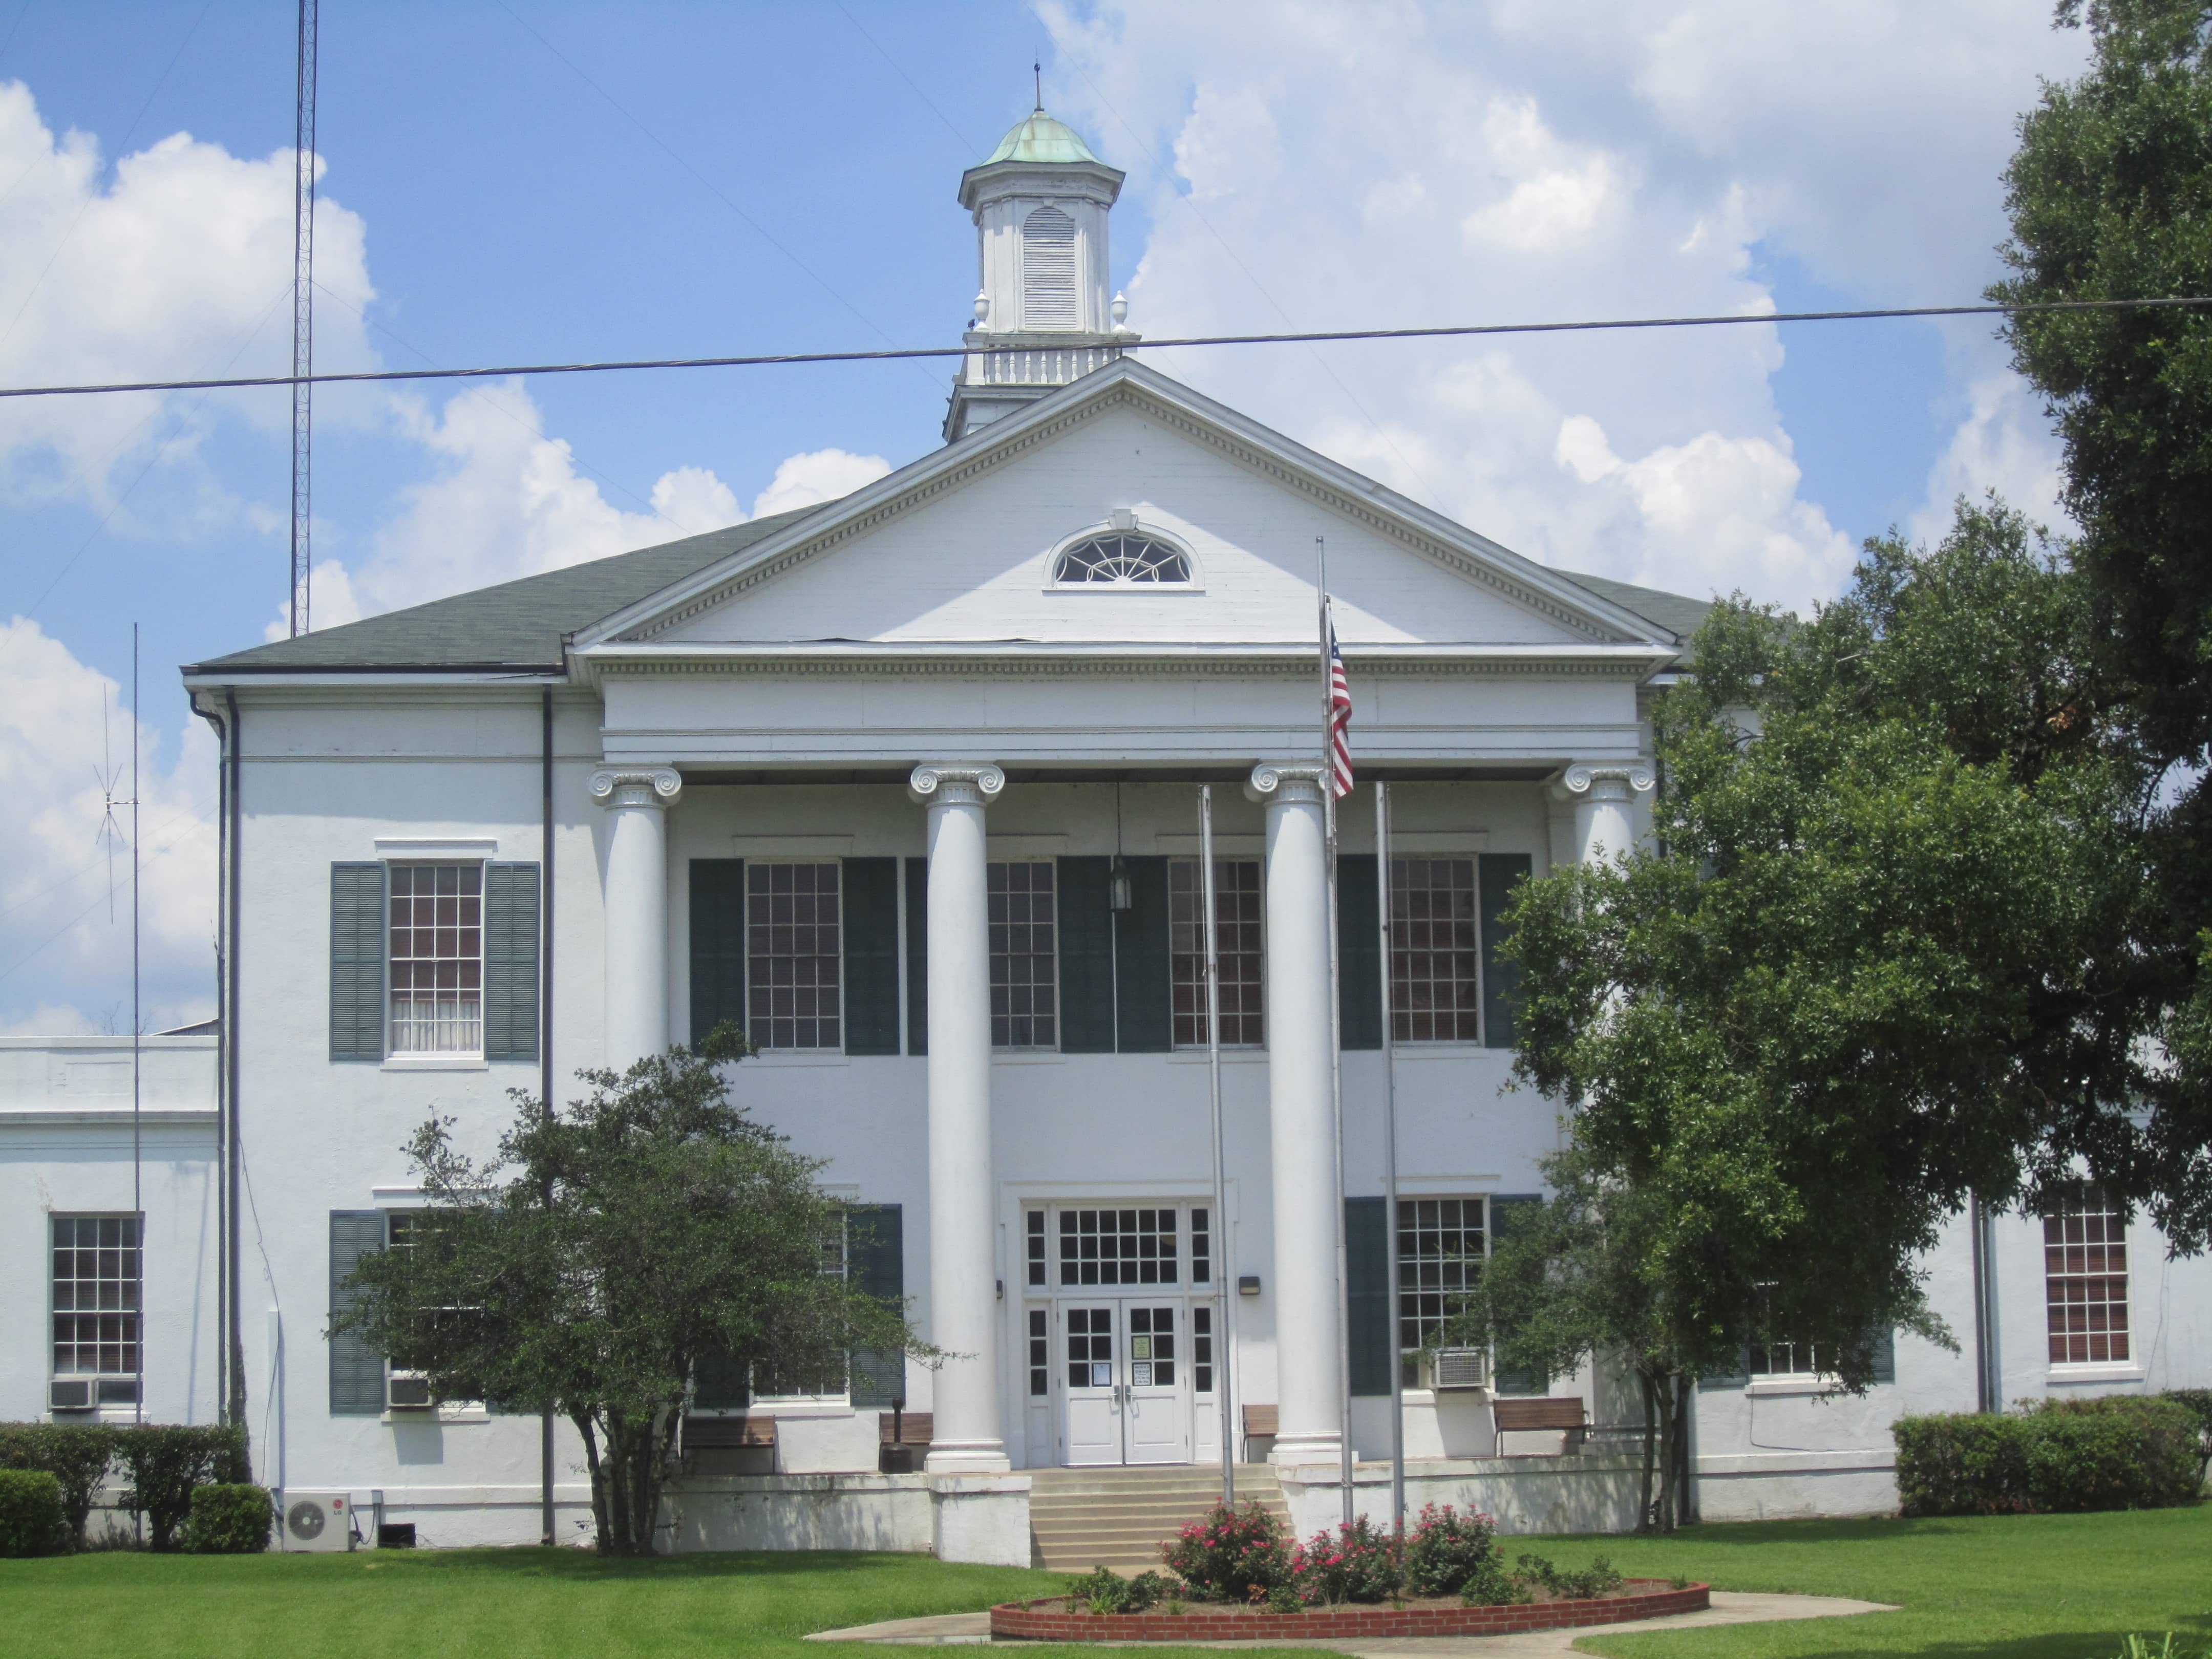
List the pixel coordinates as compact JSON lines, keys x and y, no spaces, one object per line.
{"x":1683,"y":1494}
{"x":602,"y":1532}
{"x":1645,"y":1521}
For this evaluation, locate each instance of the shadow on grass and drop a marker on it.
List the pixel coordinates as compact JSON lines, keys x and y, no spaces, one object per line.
{"x":581,"y":1567}
{"x":2050,"y":1644}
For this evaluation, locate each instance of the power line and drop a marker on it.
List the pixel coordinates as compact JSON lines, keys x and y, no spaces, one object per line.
{"x":1442,"y":332}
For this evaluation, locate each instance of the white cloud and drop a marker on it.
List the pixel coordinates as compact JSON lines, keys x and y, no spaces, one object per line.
{"x":1406,"y":163}
{"x":64,"y":964}
{"x":2005,"y":444}
{"x":177,"y":264}
{"x":816,"y":476}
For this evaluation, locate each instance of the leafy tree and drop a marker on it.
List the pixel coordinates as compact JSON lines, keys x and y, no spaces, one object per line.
{"x":2110,"y":197}
{"x":606,"y":1254}
{"x":1884,"y":956}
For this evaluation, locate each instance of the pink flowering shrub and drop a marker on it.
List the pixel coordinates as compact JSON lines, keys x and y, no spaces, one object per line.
{"x":1236,"y":1555}
{"x":1357,"y":1562}
{"x":1445,"y":1548}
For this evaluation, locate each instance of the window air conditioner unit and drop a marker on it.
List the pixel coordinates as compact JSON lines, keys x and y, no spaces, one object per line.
{"x":69,"y":1394}
{"x":408,"y":1391}
{"x":317,"y":1521}
{"x":1459,"y":1368}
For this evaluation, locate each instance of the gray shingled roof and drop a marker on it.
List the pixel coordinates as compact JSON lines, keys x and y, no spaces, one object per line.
{"x":520,"y":625}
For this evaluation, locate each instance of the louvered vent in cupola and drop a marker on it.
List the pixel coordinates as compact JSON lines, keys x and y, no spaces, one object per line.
{"x":1049,"y":270}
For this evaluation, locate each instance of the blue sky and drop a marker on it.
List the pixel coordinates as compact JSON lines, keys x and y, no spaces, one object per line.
{"x":517,"y":180}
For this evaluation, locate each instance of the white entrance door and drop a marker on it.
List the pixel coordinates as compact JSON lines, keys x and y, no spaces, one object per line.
{"x":1126,"y":1375}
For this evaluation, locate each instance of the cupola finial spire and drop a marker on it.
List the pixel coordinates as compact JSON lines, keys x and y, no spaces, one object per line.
{"x":1036,"y":68}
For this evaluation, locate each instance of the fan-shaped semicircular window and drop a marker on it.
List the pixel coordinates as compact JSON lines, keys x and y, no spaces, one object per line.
{"x":1124,"y":556}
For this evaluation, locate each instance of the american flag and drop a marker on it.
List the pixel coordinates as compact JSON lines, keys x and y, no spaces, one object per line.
{"x":1339,"y":721}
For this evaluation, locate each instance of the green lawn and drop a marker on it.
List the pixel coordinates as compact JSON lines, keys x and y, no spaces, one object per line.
{"x":2040,"y":1587}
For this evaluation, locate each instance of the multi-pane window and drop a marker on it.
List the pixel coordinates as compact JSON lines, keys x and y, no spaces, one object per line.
{"x":96,"y":1281}
{"x":1039,"y":1353}
{"x":1236,"y":921}
{"x":1440,"y":1255}
{"x":1201,"y":1247}
{"x":1201,"y":1348}
{"x":1089,"y":1347}
{"x":1436,"y":991}
{"x":1036,"y":1246}
{"x":1783,"y":1359}
{"x":2085,"y":1276}
{"x":793,"y":927}
{"x":1024,"y":957}
{"x":1152,"y":1347}
{"x":1117,"y":1246}
{"x":825,"y":1376}
{"x":437,"y":958}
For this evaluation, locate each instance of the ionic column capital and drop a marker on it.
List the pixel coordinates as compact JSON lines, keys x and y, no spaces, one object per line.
{"x":1299,"y":783}
{"x":1615,"y":781}
{"x":956,"y":783}
{"x":636,"y":786}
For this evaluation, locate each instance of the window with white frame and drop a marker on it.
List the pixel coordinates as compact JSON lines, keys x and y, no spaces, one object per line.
{"x":1024,"y":956}
{"x":2084,"y":1278}
{"x":1436,"y":988}
{"x":1442,"y":1244}
{"x":1123,"y":559}
{"x":1135,"y":1246}
{"x":793,"y":929}
{"x":1784,"y":1359}
{"x":97,"y":1279}
{"x":437,"y":958}
{"x":827,"y":1380}
{"x":1237,"y":912}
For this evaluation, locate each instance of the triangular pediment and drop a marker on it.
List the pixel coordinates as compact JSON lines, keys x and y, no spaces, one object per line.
{"x":959,"y":548}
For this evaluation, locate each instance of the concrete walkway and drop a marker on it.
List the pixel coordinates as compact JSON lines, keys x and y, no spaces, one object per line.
{"x":974,"y":1630}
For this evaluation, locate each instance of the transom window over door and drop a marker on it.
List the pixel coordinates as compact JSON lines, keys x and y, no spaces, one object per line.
{"x":2084,"y":1276}
{"x":1024,"y":957}
{"x":1236,"y":910}
{"x":1436,"y":988}
{"x":1133,"y":1246}
{"x":793,"y":992}
{"x":437,"y":958}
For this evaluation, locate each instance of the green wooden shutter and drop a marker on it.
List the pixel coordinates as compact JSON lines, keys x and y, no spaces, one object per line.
{"x":1498,"y":874}
{"x":1358,"y":952}
{"x":510,"y":964}
{"x":356,"y":1369}
{"x":875,"y":1262}
{"x":1087,"y":955}
{"x":358,"y":973}
{"x":917,"y":955}
{"x":1507,"y":1211}
{"x":718,"y":945}
{"x":1367,"y":1292}
{"x":871,"y":957}
{"x":1141,"y":963}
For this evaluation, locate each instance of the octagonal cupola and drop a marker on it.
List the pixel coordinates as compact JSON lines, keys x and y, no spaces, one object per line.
{"x":1040,"y":202}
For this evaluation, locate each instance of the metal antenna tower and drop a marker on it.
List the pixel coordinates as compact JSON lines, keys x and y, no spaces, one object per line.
{"x":303,"y":312}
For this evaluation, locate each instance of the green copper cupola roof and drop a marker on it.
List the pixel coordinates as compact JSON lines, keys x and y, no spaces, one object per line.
{"x":1038,"y":137}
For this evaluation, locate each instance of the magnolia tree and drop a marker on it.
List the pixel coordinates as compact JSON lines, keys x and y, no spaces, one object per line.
{"x":606,"y":1253}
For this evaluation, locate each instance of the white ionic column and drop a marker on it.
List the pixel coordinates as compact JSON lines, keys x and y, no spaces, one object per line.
{"x":1302,"y":1118}
{"x":963,"y":1311}
{"x":1604,"y":796}
{"x":636,"y":907}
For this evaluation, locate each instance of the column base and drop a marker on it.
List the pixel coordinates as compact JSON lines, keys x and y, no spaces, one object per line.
{"x":1292,"y":1449}
{"x":967,"y":1457}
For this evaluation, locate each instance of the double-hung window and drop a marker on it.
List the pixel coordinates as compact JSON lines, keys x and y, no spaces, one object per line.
{"x":1442,"y":1244}
{"x":794,"y":995}
{"x":825,"y":1379}
{"x":1024,"y":956}
{"x":96,"y":1303}
{"x":1237,"y":911}
{"x":1436,"y":988}
{"x":436,"y":958}
{"x":2084,"y":1278}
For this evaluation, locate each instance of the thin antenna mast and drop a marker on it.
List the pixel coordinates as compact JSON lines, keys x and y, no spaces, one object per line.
{"x":303,"y":310}
{"x":137,"y":1029}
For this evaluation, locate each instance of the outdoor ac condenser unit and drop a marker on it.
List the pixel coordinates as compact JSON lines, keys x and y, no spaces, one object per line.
{"x":1459,"y":1368}
{"x":318,"y":1521}
{"x":407,"y":1391}
{"x":69,"y":1394}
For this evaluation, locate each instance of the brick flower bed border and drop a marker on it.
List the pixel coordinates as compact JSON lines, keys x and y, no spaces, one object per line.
{"x":1055,"y":1619}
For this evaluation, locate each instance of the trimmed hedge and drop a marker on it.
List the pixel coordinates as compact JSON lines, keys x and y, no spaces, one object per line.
{"x":164,"y":1462}
{"x":2119,"y":1452}
{"x":230,"y":1518}
{"x":76,"y":1454}
{"x":31,"y":1518}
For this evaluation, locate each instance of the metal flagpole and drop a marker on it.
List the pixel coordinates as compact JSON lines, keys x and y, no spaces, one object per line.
{"x":1220,"y":1182}
{"x":137,"y":1044}
{"x":1390,"y":1163}
{"x":1335,"y":1033}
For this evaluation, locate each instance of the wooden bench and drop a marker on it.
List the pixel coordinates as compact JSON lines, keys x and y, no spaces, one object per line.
{"x":898,"y":1433}
{"x":1260,"y":1424}
{"x":1560,"y":1413}
{"x":729,"y":1433}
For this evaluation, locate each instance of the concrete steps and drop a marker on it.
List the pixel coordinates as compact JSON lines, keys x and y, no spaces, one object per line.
{"x":1119,"y":1517}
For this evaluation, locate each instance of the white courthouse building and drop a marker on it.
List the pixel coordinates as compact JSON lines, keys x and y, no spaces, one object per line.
{"x":907,"y":785}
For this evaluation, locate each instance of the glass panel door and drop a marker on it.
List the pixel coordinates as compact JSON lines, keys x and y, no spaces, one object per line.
{"x":1092,"y":1374}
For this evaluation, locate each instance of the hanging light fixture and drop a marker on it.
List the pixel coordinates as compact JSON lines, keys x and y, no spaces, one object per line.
{"x":1120,"y":894}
